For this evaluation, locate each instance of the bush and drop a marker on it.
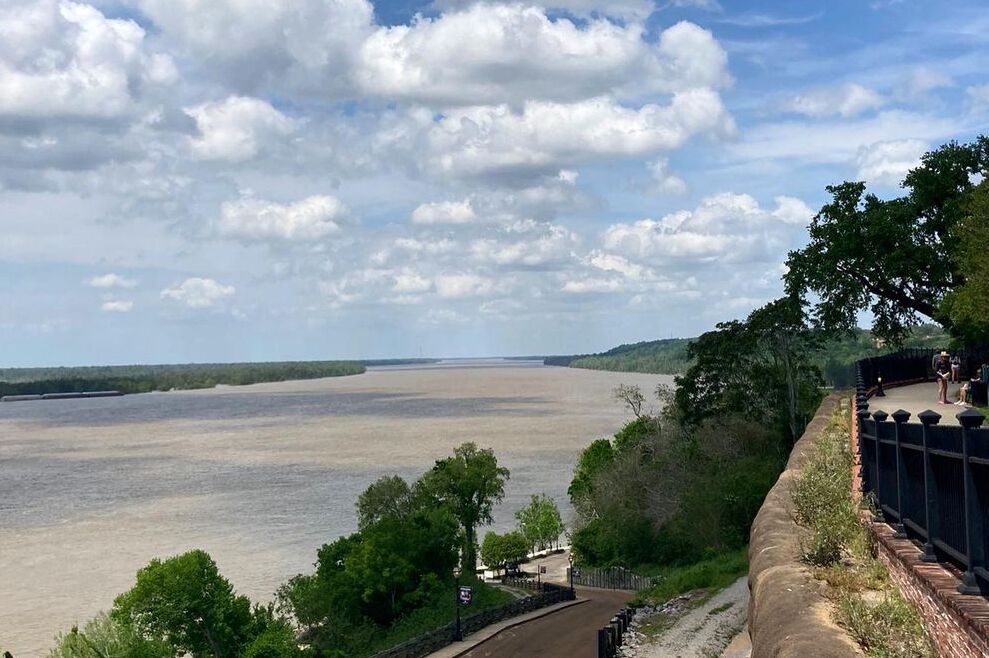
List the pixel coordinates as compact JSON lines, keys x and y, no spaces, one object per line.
{"x":889,"y":628}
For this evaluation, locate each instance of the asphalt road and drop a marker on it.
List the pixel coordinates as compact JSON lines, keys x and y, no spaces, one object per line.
{"x":570,"y":633}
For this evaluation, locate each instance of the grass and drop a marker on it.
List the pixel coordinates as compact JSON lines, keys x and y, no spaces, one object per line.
{"x":865,"y":602}
{"x":712,"y":574}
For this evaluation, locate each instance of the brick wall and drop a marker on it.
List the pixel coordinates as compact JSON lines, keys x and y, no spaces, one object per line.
{"x":958,"y":624}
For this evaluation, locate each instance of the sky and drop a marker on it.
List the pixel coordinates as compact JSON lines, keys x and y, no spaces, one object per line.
{"x":241,"y":180}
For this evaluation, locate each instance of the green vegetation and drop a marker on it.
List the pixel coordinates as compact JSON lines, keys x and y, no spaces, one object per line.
{"x":667,"y":357}
{"x":683,"y":487}
{"x":540,"y":523}
{"x":865,"y":602}
{"x":146,"y":378}
{"x":712,"y":574}
{"x":901,"y":258}
{"x":499,"y":551}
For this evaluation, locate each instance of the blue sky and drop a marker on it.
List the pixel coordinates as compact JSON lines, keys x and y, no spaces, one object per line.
{"x":215,"y":180}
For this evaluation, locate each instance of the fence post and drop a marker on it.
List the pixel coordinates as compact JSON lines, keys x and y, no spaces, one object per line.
{"x":867,"y":477}
{"x":880,"y":417}
{"x":970,"y":420}
{"x":603,"y":638}
{"x":929,"y":419}
{"x":899,"y":417}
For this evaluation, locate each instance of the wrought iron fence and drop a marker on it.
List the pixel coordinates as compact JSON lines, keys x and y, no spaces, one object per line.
{"x":930,"y":481}
{"x":610,"y":578}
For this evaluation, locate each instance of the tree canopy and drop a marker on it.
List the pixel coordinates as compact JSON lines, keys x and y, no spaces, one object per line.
{"x":891,"y":257}
{"x":967,"y":307}
{"x":540,"y":522}
{"x":468,"y":484}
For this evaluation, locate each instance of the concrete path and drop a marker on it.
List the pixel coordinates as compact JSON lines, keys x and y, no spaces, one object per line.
{"x":917,"y":398}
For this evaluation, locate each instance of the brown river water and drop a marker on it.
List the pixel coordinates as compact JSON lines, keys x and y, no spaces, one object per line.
{"x":259,"y":476}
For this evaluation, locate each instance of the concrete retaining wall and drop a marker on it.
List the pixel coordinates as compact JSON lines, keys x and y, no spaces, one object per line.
{"x":788,"y":615}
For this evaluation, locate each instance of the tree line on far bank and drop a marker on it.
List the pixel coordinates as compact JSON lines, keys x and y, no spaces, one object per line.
{"x":391,"y":580}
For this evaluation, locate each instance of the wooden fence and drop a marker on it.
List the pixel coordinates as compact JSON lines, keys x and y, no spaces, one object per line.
{"x":548,"y":594}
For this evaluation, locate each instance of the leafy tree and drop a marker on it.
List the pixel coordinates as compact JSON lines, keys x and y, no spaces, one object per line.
{"x":105,"y":637}
{"x":540,"y":522}
{"x":468,"y":484}
{"x":889,"y":256}
{"x":185,"y":602}
{"x":762,"y":368}
{"x":968,"y":306}
{"x":388,"y":497}
{"x":493,"y":550}
{"x":592,"y":460}
{"x":515,"y":548}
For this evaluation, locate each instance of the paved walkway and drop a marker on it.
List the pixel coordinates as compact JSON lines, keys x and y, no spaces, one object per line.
{"x":917,"y":398}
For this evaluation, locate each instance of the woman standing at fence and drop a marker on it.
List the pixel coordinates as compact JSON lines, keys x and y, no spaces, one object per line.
{"x":956,"y":367}
{"x":943,"y":373}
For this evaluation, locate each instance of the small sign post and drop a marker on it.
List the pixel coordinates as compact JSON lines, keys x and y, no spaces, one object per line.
{"x":465,"y":595}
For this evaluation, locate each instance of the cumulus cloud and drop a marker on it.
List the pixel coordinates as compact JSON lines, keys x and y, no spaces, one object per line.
{"x":198,"y":293}
{"x":724,"y":227}
{"x":633,"y":9}
{"x":662,"y":182}
{"x":308,"y":219}
{"x":526,"y":244}
{"x":546,"y":137}
{"x":511,"y":53}
{"x":117,"y":306}
{"x":111,"y":280}
{"x":444,"y":212}
{"x":66,"y":59}
{"x":847,"y":100}
{"x":455,"y":286}
{"x":304,"y":46}
{"x":235,"y":129}
{"x":886,"y":163}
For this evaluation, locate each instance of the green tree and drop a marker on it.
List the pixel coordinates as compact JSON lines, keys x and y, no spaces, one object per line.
{"x":105,"y":637}
{"x":493,"y":551}
{"x":514,"y":548}
{"x":468,"y":484}
{"x":592,"y":460}
{"x":389,"y":496}
{"x":889,"y":256}
{"x":968,"y":306}
{"x":185,"y":602}
{"x":540,"y":522}
{"x":762,"y":368}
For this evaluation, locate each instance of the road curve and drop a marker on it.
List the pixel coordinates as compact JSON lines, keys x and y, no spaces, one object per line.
{"x":569,"y":633}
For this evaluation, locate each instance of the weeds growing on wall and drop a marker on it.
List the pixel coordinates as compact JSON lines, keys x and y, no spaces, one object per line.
{"x":866,"y":603}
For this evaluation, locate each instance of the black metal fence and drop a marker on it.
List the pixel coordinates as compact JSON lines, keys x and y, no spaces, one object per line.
{"x":547,"y":594}
{"x":610,"y":578}
{"x":913,"y":365}
{"x":930,"y":481}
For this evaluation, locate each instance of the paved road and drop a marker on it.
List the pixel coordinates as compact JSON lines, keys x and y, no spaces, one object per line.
{"x":570,"y":633}
{"x":917,"y":398}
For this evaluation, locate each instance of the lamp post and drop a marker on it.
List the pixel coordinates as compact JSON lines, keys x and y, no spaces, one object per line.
{"x":879,"y":388}
{"x":457,"y":633}
{"x":571,"y":575}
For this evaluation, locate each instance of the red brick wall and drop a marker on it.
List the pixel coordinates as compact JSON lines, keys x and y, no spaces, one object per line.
{"x":957,"y":624}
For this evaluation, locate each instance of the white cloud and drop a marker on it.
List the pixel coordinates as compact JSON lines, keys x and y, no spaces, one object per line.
{"x":979,"y":95}
{"x":546,"y":137}
{"x":847,"y":100}
{"x":592,"y":285}
{"x":308,"y":219}
{"x":791,"y":210}
{"x":444,"y":212}
{"x":117,"y":306}
{"x":111,"y":280}
{"x":632,"y":9}
{"x":615,"y":263}
{"x":411,"y":282}
{"x":924,"y":79}
{"x":511,"y":53}
{"x":664,"y":182}
{"x":886,"y":163}
{"x":66,"y":59}
{"x":723,"y":227}
{"x":304,"y":46}
{"x":526,"y":244}
{"x":198,"y":293}
{"x":236,"y":128}
{"x":454,"y":286}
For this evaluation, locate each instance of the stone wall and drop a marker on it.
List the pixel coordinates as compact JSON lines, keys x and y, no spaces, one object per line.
{"x":788,"y":614}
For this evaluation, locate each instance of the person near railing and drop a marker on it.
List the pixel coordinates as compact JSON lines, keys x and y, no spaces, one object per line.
{"x":943,"y":373}
{"x":956,"y":367}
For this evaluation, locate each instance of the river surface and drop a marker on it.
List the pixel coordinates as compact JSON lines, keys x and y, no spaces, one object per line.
{"x":259,"y":476}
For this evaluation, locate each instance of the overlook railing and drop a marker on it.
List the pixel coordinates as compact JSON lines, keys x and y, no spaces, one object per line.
{"x":930,"y":481}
